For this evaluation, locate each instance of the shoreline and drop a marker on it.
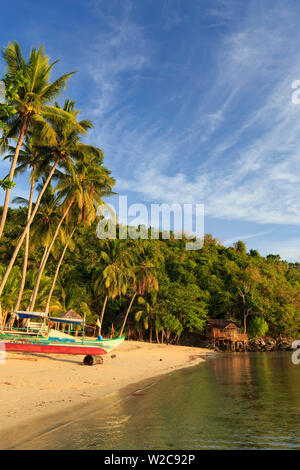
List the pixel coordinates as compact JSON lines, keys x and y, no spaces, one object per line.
{"x":40,"y":392}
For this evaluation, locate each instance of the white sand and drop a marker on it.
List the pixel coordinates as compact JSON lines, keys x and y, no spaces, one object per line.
{"x":33,"y":386}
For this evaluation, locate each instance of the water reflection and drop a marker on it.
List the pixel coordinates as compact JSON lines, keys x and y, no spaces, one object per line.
{"x":235,"y":401}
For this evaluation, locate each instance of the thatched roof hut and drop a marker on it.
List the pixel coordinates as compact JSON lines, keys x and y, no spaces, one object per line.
{"x":71,"y":315}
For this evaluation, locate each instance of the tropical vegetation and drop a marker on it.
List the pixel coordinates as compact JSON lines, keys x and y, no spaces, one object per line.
{"x":51,"y":259}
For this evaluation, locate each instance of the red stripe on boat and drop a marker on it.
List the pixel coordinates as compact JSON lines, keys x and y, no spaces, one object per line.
{"x":54,"y":349}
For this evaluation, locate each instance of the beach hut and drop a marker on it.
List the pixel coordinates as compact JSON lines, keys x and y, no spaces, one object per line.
{"x":226,"y":333}
{"x":71,"y":315}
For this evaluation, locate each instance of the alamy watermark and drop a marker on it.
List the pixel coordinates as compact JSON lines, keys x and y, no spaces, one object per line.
{"x":2,"y":92}
{"x":186,"y":220}
{"x":296,"y":354}
{"x":2,"y":354}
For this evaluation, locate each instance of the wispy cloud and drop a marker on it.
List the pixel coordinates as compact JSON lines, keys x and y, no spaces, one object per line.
{"x":237,"y":152}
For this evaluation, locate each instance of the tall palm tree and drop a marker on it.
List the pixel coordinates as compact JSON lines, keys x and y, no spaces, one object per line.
{"x":47,"y":220}
{"x":11,"y":292}
{"x":147,"y":310}
{"x":29,"y":158}
{"x":113,"y":277}
{"x":67,"y":134}
{"x":57,"y":269}
{"x":87,"y":185}
{"x":144,"y":279}
{"x":34,"y":91}
{"x":83,"y":182}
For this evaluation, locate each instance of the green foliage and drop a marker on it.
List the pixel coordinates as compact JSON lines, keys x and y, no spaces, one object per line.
{"x":172,"y":290}
{"x":257,"y":327}
{"x":6,"y":183}
{"x":214,"y":282}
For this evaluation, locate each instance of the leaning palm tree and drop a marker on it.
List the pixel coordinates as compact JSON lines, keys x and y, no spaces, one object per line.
{"x":67,"y":136}
{"x":29,"y":158}
{"x":45,"y":227}
{"x":87,"y":185}
{"x":76,"y":185}
{"x":34,"y":90}
{"x":67,"y":244}
{"x":11,"y":292}
{"x":144,"y":279}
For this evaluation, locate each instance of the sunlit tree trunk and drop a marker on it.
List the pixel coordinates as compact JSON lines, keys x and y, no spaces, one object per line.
{"x":26,"y":251}
{"x":45,"y":259}
{"x":157,"y":338}
{"x":57,"y":271}
{"x":127,"y":313}
{"x":150,"y":330}
{"x":22,"y":237}
{"x":11,"y":174}
{"x":102,"y":314}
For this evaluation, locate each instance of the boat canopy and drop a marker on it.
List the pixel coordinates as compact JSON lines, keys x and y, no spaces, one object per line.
{"x":77,"y":321}
{"x":24,"y":314}
{"x":43,"y":315}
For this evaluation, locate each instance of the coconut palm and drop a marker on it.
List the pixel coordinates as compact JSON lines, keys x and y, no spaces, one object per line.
{"x":42,"y":294}
{"x":82,"y":184}
{"x":87,"y":185}
{"x":67,"y":135}
{"x":144,"y":279}
{"x":113,"y":277}
{"x":29,"y":158}
{"x":29,"y":102}
{"x":146,"y":312}
{"x":11,"y":293}
{"x":47,"y":220}
{"x":69,"y":239}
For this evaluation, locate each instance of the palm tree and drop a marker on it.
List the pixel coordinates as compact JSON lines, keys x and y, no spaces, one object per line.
{"x":28,"y":158}
{"x":33,"y":91}
{"x":48,"y":233}
{"x":82,"y":183}
{"x":11,"y":292}
{"x":113,"y":277}
{"x":87,"y":185}
{"x":57,"y":269}
{"x":144,"y":279}
{"x":146,"y":311}
{"x":67,"y":136}
{"x":43,"y":292}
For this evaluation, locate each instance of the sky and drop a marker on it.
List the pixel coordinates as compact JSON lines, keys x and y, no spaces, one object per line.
{"x":191,"y":102}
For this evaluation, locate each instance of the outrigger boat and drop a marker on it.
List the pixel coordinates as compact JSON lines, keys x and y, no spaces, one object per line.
{"x":43,"y":339}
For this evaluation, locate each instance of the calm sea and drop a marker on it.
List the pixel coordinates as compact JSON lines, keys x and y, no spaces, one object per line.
{"x":234,"y":401}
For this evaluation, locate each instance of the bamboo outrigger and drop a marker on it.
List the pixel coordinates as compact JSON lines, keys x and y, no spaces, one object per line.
{"x":45,"y":340}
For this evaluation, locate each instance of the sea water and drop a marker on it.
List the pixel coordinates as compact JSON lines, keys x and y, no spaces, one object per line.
{"x":231,"y":401}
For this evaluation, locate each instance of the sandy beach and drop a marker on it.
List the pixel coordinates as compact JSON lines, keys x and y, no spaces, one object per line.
{"x":37,"y":386}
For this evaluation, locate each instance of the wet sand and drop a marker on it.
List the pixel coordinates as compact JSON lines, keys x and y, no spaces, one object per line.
{"x":36,"y":389}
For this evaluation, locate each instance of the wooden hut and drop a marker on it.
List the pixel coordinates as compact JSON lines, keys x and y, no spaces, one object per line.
{"x":225,"y":333}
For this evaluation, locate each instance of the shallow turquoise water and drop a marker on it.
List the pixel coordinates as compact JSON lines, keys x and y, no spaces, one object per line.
{"x":234,"y":401}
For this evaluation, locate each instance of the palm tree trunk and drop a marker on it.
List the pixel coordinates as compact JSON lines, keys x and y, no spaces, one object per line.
{"x":57,"y":271}
{"x":26,"y":251}
{"x":127,"y":313}
{"x":102,"y":314}
{"x":31,"y":297}
{"x":150,"y":330}
{"x":157,"y":338}
{"x":11,"y":174}
{"x":26,"y":320}
{"x":22,"y":237}
{"x":45,"y":259}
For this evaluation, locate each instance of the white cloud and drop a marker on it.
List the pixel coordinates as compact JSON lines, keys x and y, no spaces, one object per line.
{"x":246,"y":171}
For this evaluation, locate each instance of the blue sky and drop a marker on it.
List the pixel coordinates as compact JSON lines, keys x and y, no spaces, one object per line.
{"x":191,"y":102}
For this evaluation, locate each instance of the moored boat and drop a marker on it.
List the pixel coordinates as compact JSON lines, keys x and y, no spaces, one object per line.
{"x":43,"y":339}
